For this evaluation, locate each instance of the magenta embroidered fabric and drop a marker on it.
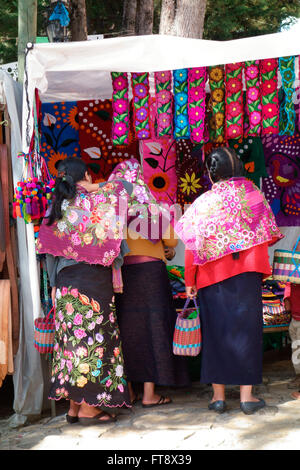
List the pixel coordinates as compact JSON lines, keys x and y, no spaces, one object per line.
{"x":164,"y":102}
{"x":196,"y":103}
{"x":120,"y":106}
{"x":233,"y":216}
{"x":91,"y":229}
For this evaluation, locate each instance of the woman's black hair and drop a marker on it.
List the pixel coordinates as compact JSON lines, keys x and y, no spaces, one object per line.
{"x":70,"y":171}
{"x":223,"y":163}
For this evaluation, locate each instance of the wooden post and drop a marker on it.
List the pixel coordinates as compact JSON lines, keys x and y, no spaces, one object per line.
{"x":27,"y":27}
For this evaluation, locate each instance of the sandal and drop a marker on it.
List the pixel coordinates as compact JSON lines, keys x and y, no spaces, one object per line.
{"x":96,"y":420}
{"x":161,"y":401}
{"x":72,"y":419}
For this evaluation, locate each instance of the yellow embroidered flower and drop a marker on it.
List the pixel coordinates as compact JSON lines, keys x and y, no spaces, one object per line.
{"x":87,"y":238}
{"x":190,"y":183}
{"x":216,"y":74}
{"x":84,"y":368}
{"x":81,"y":381}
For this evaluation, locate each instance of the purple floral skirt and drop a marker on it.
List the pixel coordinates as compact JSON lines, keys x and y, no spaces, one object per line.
{"x":88,"y":361}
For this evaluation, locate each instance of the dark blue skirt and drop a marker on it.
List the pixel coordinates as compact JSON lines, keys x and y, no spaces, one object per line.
{"x":232,"y":331}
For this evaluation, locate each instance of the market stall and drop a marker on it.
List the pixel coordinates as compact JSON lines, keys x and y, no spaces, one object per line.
{"x":167,"y":101}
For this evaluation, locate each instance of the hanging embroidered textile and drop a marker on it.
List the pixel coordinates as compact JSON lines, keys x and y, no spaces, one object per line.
{"x":180,"y":90}
{"x":196,"y":103}
{"x":141,"y":96}
{"x":287,"y":107}
{"x":234,"y":100}
{"x":250,"y":151}
{"x":192,"y":179}
{"x":97,"y":150}
{"x":217,"y":102}
{"x":120,"y":106}
{"x":158,"y":155}
{"x":59,"y":133}
{"x":253,"y":100}
{"x":164,"y":102}
{"x":282,"y":187}
{"x":269,"y":96}
{"x":233,"y":216}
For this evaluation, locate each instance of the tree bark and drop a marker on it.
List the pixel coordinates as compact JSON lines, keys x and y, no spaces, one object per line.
{"x":167,"y":16}
{"x":144,"y":17}
{"x":78,"y":23}
{"x":188,"y":20}
{"x":129,"y":16}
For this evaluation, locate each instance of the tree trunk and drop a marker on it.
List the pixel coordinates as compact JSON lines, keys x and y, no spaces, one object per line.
{"x":188,"y":20}
{"x":78,"y":24}
{"x":129,"y":16}
{"x":144,"y":17}
{"x":167,"y":16}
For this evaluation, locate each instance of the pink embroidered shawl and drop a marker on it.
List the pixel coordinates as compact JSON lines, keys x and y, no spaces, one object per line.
{"x":91,"y":229}
{"x":233,"y":216}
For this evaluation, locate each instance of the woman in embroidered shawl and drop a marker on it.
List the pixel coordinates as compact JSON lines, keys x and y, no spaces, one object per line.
{"x":82,"y":237}
{"x":145,"y":310}
{"x":226,"y":232}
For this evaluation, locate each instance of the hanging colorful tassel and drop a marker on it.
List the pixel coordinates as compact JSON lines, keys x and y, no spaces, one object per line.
{"x":164,"y":102}
{"x":196,"y":103}
{"x":269,"y":96}
{"x":234,"y":101}
{"x":181,"y":120}
{"x":120,"y":107}
{"x":217,"y":102}
{"x":141,"y":96}
{"x":287,"y":108}
{"x":253,"y":99}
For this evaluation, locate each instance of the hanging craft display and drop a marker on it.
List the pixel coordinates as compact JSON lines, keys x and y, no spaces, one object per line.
{"x":196,"y":103}
{"x":158,"y":155}
{"x":269,"y":96}
{"x":234,"y":100}
{"x":287,"y":106}
{"x":253,"y":100}
{"x":141,"y":96}
{"x":282,"y":187}
{"x":120,"y":106}
{"x":97,"y":149}
{"x":192,"y":179}
{"x":180,"y":90}
{"x":164,"y":102}
{"x":250,"y":151}
{"x":217,"y":102}
{"x":34,"y":191}
{"x":59,"y":133}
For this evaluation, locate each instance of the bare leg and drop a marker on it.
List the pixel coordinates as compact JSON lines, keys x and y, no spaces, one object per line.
{"x":150,"y":397}
{"x":246,"y":394}
{"x":74,"y":408}
{"x":219,"y":392}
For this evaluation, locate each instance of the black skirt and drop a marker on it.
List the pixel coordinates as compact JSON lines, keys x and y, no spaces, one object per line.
{"x":146,"y":317}
{"x":232,"y":331}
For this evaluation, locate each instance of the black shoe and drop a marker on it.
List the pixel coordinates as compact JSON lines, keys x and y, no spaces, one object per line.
{"x":218,"y":406}
{"x":71,"y":419}
{"x":250,"y":407}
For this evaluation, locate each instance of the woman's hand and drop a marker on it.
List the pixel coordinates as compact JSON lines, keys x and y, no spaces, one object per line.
{"x":89,"y":186}
{"x":169,"y":252}
{"x":191,"y":292}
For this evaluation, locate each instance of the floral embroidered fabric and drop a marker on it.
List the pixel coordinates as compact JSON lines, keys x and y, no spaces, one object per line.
{"x":217,"y":102}
{"x":269,"y":96}
{"x":233,"y":216}
{"x":120,"y":106}
{"x":196,"y":103}
{"x":253,"y":101}
{"x":287,"y":106}
{"x":91,"y":226}
{"x":234,"y":100}
{"x":164,"y":103}
{"x":180,"y":90}
{"x":141,"y":97}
